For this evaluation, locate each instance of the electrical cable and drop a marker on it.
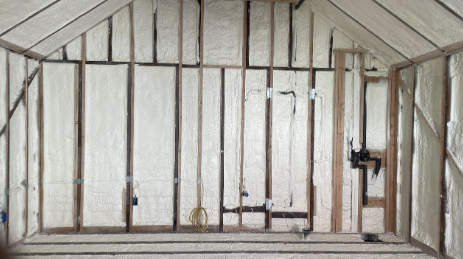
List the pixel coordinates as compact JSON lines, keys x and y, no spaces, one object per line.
{"x":198,"y":213}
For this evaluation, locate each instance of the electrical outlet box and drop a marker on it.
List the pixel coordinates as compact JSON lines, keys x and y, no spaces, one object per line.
{"x":134,"y":201}
{"x":3,"y":217}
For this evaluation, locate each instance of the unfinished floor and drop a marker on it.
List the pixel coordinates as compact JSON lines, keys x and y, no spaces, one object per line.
{"x":211,"y":245}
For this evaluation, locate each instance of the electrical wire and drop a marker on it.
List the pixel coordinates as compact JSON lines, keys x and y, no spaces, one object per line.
{"x":198,"y":213}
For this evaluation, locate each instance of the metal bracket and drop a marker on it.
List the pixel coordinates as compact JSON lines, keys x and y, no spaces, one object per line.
{"x":268,"y":204}
{"x":269,"y":93}
{"x":129,"y":179}
{"x":177,"y":180}
{"x":78,"y":181}
{"x":312,"y":94}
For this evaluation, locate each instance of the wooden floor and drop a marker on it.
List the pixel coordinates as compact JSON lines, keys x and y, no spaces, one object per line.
{"x":213,"y":245}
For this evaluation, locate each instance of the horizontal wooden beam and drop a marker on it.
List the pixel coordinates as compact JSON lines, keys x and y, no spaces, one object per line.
{"x":245,"y":209}
{"x":278,"y":1}
{"x":376,"y":202}
{"x":289,"y":215}
{"x":159,"y":228}
{"x":353,"y":51}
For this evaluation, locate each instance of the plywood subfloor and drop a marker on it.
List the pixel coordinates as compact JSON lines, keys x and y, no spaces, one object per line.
{"x":213,"y":245}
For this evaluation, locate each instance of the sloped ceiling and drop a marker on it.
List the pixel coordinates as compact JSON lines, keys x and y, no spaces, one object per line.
{"x":396,"y":31}
{"x":39,"y":27}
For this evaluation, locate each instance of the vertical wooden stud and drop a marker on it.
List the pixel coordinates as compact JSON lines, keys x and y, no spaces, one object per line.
{"x":310,"y":128}
{"x":82,"y":126}
{"x":200,"y":106}
{"x":130,"y":107}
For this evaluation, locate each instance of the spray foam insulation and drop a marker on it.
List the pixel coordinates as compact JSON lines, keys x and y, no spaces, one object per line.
{"x":143,"y":30}
{"x":259,"y":33}
{"x":281,"y":34}
{"x":210,"y":163}
{"x":167,"y":28}
{"x":74,"y":48}
{"x":121,"y":35}
{"x":289,"y":148}
{"x":254,"y":161}
{"x":50,"y":20}
{"x":455,"y":125}
{"x":425,"y":187}
{"x":105,"y":144}
{"x":341,"y":41}
{"x":191,"y":9}
{"x":456,"y":5}
{"x":59,"y":144}
{"x":223,"y":32}
{"x":154,"y":142}
{"x":376,"y":98}
{"x":17,"y":198}
{"x":289,"y":137}
{"x":323,"y":135}
{"x":453,"y":226}
{"x":189,"y":145}
{"x":429,"y":91}
{"x":33,"y":156}
{"x":11,"y":17}
{"x":321,"y":42}
{"x":232,"y":142}
{"x":301,"y":36}
{"x":97,"y":42}
{"x":404,"y":159}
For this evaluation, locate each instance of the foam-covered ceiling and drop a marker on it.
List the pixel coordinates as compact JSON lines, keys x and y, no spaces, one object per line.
{"x":397,"y":31}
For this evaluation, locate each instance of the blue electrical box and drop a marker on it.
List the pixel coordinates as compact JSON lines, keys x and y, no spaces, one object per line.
{"x":3,"y":217}
{"x":134,"y":201}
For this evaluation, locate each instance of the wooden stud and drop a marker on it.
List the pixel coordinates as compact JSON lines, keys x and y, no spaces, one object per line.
{"x":362,"y":96}
{"x":222,"y":145}
{"x":82,"y":130}
{"x":200,"y":107}
{"x":26,"y":128}
{"x":338,"y":144}
{"x":110,"y":39}
{"x":360,"y":204}
{"x":76,"y":144}
{"x":7,"y":177}
{"x":310,"y":129}
{"x":446,"y":91}
{"x":130,"y":126}
{"x":414,"y":82}
{"x":179,"y":116}
{"x":223,"y":66}
{"x":157,"y":228}
{"x":391,"y":149}
{"x":268,"y":190}
{"x":245,"y":61}
{"x":374,"y":202}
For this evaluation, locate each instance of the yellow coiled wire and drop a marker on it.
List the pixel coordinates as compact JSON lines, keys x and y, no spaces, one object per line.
{"x":198,"y":213}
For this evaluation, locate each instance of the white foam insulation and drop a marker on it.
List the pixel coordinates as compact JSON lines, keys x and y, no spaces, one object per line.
{"x":453,"y":226}
{"x":321,"y":42}
{"x":289,"y":145}
{"x":254,"y":220}
{"x":425,"y":187}
{"x":390,"y":29}
{"x":259,"y":33}
{"x":455,"y":125}
{"x":254,"y":161}
{"x":143,"y":29}
{"x":429,"y":91}
{"x":33,"y":156}
{"x":57,"y":55}
{"x":301,"y":36}
{"x":341,"y":41}
{"x":427,"y":18}
{"x":74,"y":48}
{"x":376,"y":99}
{"x":281,"y":35}
{"x":17,"y":157}
{"x":97,"y":42}
{"x":189,"y":145}
{"x":154,"y":145}
{"x":32,"y":31}
{"x":167,"y":29}
{"x":353,"y":30}
{"x":456,"y":5}
{"x":404,"y":143}
{"x":210,"y":163}
{"x":59,"y":144}
{"x":11,"y":17}
{"x":223,"y":32}
{"x":373,"y":220}
{"x":105,"y":144}
{"x":191,"y":9}
{"x":3,"y":140}
{"x":232,"y":143}
{"x":79,"y":26}
{"x":121,"y":35}
{"x":323,"y":150}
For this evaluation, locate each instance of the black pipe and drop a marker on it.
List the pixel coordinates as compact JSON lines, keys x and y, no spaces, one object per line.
{"x":365,"y":184}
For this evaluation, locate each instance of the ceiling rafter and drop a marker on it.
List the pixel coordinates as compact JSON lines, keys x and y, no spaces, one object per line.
{"x":406,"y":24}
{"x":28,"y":18}
{"x":363,"y":26}
{"x":450,"y":10}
